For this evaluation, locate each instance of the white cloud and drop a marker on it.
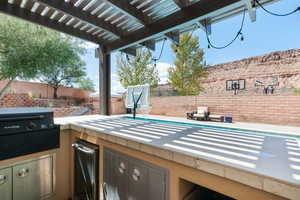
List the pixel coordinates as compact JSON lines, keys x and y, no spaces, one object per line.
{"x":88,"y":45}
{"x":163,"y":71}
{"x":162,"y":68}
{"x":116,"y":86}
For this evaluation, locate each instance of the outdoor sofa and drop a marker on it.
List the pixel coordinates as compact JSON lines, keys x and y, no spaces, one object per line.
{"x":202,"y":113}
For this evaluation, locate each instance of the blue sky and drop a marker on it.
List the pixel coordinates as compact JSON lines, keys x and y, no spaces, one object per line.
{"x":269,"y":33}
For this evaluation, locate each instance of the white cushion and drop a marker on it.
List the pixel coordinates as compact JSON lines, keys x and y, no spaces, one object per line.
{"x":199,"y":115}
{"x":202,"y":110}
{"x":215,"y":116}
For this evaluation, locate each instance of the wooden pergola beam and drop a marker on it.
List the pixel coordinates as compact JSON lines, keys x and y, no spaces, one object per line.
{"x":23,"y":13}
{"x":171,"y":22}
{"x":81,"y":14}
{"x":130,"y":10}
{"x":251,"y":9}
{"x":174,"y":37}
{"x":181,"y":3}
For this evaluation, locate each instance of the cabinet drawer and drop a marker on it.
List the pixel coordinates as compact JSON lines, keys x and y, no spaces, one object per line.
{"x":6,"y":184}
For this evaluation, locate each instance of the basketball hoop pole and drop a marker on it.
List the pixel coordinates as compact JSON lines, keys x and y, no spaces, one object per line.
{"x":135,"y":103}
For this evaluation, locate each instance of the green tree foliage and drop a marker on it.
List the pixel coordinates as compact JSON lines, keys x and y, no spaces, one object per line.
{"x":21,"y":45}
{"x":28,"y":51}
{"x":86,"y":84}
{"x":189,"y":69}
{"x":297,"y":91}
{"x":65,"y":66}
{"x":138,"y":70}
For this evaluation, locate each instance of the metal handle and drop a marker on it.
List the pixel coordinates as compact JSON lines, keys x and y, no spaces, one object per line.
{"x":104,"y":191}
{"x":3,"y":179}
{"x":136,"y":174}
{"x":23,"y":172}
{"x":83,"y":148}
{"x":122,"y":168}
{"x":21,"y":118}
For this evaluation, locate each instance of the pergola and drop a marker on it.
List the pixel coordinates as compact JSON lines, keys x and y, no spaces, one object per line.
{"x":125,"y":24}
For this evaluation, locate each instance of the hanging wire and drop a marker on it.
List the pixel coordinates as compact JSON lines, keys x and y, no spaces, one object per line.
{"x":276,"y":14}
{"x":190,"y":36}
{"x":160,"y":54}
{"x":239,"y":33}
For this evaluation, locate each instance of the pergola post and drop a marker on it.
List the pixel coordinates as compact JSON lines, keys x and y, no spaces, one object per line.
{"x":104,"y":81}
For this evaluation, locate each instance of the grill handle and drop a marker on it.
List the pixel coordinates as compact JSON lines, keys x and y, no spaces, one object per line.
{"x":8,"y":119}
{"x":83,"y":148}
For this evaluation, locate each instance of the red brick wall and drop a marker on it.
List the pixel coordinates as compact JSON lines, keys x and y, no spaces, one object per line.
{"x":117,"y":106}
{"x":282,"y":67}
{"x":272,"y":109}
{"x":42,"y":90}
{"x":16,"y":100}
{"x":61,"y":108}
{"x":64,"y":112}
{"x":24,"y":100}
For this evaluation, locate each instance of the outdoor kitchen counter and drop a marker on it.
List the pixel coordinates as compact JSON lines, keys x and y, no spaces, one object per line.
{"x":267,"y":163}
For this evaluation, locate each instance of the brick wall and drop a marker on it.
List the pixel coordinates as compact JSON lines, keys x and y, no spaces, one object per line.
{"x":42,"y":90}
{"x":66,"y":111}
{"x":117,"y":106}
{"x":16,"y":100}
{"x":282,"y":67}
{"x":24,"y":100}
{"x":272,"y":109}
{"x":61,"y":108}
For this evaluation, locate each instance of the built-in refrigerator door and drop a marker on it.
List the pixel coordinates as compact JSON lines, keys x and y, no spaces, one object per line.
{"x":6,"y":184}
{"x":86,"y":171}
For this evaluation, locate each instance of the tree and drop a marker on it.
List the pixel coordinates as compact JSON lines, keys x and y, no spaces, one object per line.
{"x":65,"y":66}
{"x":21,"y":47}
{"x":28,"y":51}
{"x":137,"y":70}
{"x":86,"y":84}
{"x":189,"y":68}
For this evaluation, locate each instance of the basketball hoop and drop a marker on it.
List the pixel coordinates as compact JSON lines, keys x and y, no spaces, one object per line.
{"x":138,"y":97}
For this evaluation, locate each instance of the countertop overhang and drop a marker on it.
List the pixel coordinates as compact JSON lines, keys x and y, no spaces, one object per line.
{"x":265,"y":162}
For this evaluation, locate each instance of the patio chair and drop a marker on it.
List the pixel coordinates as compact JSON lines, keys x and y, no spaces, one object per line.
{"x":202,"y":113}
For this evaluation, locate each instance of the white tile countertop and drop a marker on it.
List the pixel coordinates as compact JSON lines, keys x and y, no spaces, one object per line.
{"x":269,"y":161}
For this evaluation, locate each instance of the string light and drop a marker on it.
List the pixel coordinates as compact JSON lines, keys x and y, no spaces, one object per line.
{"x":161,"y":51}
{"x":239,"y":33}
{"x":276,"y":14}
{"x":242,"y":37}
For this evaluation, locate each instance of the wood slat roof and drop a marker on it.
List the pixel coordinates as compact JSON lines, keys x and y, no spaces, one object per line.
{"x":122,"y":24}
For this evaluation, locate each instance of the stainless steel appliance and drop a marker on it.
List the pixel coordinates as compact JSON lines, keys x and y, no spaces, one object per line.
{"x":27,"y":130}
{"x":86,"y":175}
{"x":28,"y":180}
{"x":130,"y":178}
